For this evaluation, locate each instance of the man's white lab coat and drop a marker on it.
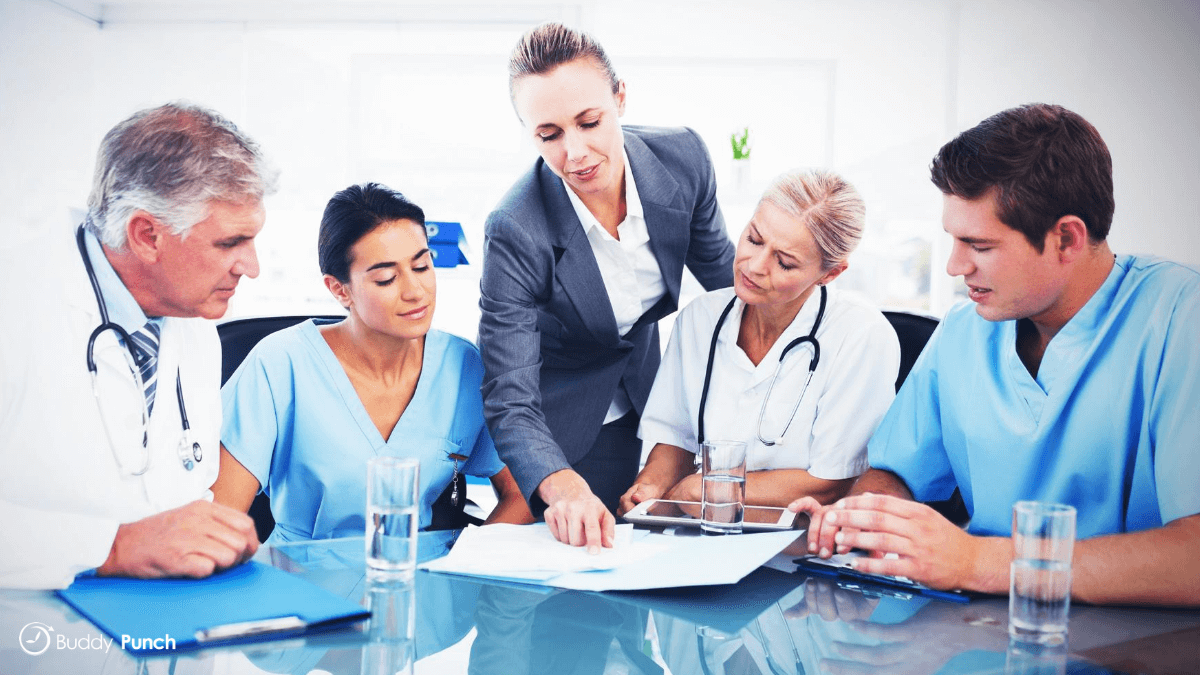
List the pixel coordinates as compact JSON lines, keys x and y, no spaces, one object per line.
{"x":62,"y":493}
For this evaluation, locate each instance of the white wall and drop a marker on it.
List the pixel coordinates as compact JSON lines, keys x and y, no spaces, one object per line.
{"x":876,"y":87}
{"x":1132,"y":69}
{"x":48,"y":130}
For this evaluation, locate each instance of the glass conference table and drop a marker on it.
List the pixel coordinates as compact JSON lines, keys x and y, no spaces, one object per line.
{"x":774,"y":621}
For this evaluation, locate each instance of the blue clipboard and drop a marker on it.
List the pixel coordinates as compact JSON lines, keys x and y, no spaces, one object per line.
{"x":248,"y":603}
{"x":866,"y":582}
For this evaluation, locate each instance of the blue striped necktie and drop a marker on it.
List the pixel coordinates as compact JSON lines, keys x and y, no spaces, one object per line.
{"x":145,"y":350}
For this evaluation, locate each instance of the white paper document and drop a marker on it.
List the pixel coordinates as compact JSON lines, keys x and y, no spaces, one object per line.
{"x":639,"y":560}
{"x":531,"y":552}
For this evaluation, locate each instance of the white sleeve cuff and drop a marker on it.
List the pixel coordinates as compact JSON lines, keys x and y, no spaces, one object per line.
{"x":854,"y":468}
{"x":46,"y":549}
{"x":655,"y":432}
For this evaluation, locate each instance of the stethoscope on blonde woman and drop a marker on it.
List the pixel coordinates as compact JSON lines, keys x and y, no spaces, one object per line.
{"x":189,"y":451}
{"x":811,"y":339}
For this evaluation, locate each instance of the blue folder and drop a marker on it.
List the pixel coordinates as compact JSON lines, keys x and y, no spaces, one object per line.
{"x":251,"y":602}
{"x":863,"y":581}
{"x":446,"y":242}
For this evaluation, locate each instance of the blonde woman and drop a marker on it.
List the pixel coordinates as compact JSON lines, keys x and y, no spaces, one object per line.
{"x":800,"y":372}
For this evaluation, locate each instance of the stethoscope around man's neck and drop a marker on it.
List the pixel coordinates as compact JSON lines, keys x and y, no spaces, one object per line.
{"x":190,"y":451}
{"x":811,"y":339}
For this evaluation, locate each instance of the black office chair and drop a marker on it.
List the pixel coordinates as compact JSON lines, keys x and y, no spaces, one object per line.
{"x":914,"y":331}
{"x":238,"y":337}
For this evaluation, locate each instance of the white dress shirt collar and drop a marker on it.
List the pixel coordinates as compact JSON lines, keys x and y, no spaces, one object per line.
{"x":800,"y":326}
{"x":632,"y":278}
{"x":633,"y":202}
{"x":123,"y":310}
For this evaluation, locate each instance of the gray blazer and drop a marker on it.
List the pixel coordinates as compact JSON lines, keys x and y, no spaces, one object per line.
{"x":552,"y":355}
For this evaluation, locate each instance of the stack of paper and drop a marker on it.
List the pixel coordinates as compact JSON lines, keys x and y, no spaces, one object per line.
{"x":638,"y":560}
{"x":531,"y":552}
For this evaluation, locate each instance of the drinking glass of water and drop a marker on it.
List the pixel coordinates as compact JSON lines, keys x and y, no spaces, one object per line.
{"x":1039,"y":592}
{"x":723,"y":488}
{"x":392,"y":515}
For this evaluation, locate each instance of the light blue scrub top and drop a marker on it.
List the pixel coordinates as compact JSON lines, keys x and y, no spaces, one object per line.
{"x":294,"y":420}
{"x":1109,"y":426}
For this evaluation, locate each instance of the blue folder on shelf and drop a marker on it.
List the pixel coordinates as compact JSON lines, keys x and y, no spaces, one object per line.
{"x":446,"y":243}
{"x":251,"y":602}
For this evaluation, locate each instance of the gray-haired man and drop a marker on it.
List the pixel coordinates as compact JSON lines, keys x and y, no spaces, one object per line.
{"x":110,"y":404}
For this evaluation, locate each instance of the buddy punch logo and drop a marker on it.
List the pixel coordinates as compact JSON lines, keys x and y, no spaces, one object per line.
{"x":36,"y":638}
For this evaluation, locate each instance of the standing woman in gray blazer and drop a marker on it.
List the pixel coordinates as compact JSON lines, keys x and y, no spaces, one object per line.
{"x":582,"y":257}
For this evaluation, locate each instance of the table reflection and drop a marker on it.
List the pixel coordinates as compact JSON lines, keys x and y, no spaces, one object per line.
{"x":772,"y":622}
{"x":391,"y":634}
{"x":561,"y":632}
{"x":792,"y":635}
{"x":402,"y":630}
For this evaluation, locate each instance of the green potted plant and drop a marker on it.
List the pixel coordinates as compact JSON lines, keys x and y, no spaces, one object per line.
{"x":740,"y":142}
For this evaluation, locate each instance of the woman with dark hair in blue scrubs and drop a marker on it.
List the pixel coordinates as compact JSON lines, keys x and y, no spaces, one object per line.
{"x":312,"y":404}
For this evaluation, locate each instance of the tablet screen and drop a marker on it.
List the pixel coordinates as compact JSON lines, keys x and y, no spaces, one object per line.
{"x":664,"y":509}
{"x":691,"y":511}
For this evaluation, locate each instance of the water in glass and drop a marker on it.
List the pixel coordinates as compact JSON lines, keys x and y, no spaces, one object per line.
{"x":723,"y":496}
{"x":392,"y":539}
{"x":1039,"y":600}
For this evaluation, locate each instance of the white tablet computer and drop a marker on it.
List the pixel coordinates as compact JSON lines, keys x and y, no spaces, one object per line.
{"x":667,"y":513}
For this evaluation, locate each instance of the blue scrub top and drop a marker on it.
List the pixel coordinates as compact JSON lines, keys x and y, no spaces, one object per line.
{"x":1109,"y":425}
{"x":294,"y":420}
